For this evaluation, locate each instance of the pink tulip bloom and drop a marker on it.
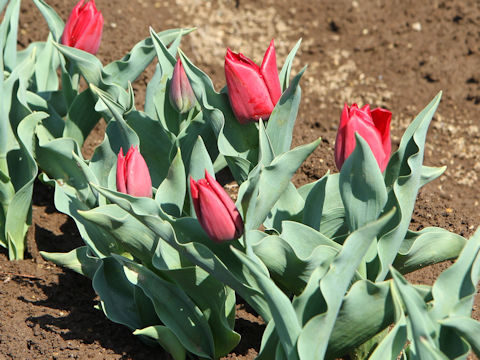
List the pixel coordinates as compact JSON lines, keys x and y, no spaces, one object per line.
{"x":373,"y":126}
{"x":181,"y":93}
{"x":215,"y":210}
{"x":83,"y":29}
{"x":253,"y":91}
{"x":133,"y":177}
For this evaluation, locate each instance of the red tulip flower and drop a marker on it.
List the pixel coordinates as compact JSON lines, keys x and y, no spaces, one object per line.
{"x":215,"y":210}
{"x":253,"y":91}
{"x":373,"y":126}
{"x":83,"y":29}
{"x":133,"y":177}
{"x":181,"y":93}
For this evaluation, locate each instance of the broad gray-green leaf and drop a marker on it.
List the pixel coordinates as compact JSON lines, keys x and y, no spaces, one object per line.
{"x":54,"y":21}
{"x":454,"y":290}
{"x":174,"y":308}
{"x":317,"y":331}
{"x":428,"y":246}
{"x":281,"y":121}
{"x":403,"y":178}
{"x":287,"y":66}
{"x":171,"y":192}
{"x":362,"y":187}
{"x":77,"y":260}
{"x":166,"y":338}
{"x":287,"y":325}
{"x":200,"y":161}
{"x":467,"y":328}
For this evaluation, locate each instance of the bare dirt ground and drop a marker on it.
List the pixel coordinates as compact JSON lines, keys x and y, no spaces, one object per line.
{"x":394,"y":54}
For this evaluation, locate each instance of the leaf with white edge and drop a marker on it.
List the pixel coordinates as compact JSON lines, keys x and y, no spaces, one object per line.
{"x":78,"y":260}
{"x":54,"y":21}
{"x":428,"y":246}
{"x":174,"y":308}
{"x":273,"y":180}
{"x":155,"y":144}
{"x":455,"y":288}
{"x":430,"y":173}
{"x":317,"y":331}
{"x":171,"y":192}
{"x":287,"y":66}
{"x":137,"y":59}
{"x":362,"y":187}
{"x":200,"y":161}
{"x":281,"y":121}
{"x":421,"y":324}
{"x":467,"y":328}
{"x":403,"y":177}
{"x":125,"y":229}
{"x":166,"y":338}
{"x":286,"y":322}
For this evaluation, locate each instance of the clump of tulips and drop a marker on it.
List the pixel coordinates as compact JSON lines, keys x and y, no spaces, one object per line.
{"x":167,"y":248}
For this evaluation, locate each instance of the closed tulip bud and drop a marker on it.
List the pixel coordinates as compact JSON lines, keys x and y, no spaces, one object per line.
{"x":215,"y":210}
{"x":133,"y":177}
{"x":373,"y":126}
{"x":253,"y":91}
{"x":181,"y":94}
{"x":83,"y":29}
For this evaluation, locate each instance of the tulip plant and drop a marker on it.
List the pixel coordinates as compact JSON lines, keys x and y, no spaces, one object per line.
{"x":166,"y":247}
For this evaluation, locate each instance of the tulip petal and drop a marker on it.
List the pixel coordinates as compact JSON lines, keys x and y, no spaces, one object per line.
{"x":215,"y":219}
{"x":247,"y":92}
{"x":90,"y":36}
{"x":121,"y":172}
{"x":227,"y":202}
{"x":69,"y":26}
{"x":195,"y":198}
{"x":269,"y":71}
{"x":137,"y":176}
{"x":382,"y":118}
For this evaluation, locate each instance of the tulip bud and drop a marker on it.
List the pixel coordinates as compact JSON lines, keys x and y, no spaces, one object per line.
{"x":83,"y":29}
{"x":253,"y":91}
{"x":133,"y":177}
{"x":181,"y":94}
{"x":373,"y":126}
{"x":215,"y":210}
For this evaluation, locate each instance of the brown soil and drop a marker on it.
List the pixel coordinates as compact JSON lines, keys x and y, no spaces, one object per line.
{"x":394,"y":54}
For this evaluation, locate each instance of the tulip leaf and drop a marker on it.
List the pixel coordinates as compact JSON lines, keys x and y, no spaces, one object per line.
{"x":78,"y":260}
{"x":171,"y":192}
{"x":422,"y":325}
{"x":81,"y":117}
{"x":164,"y":111}
{"x":236,"y":142}
{"x":155,"y":144}
{"x":211,"y":297}
{"x":324,"y":210}
{"x":287,"y":66}
{"x":8,"y":36}
{"x":362,"y":187}
{"x":269,"y":343}
{"x":454,"y":290}
{"x":200,"y":161}
{"x":134,"y":62}
{"x":266,"y":153}
{"x":286,"y":323}
{"x":428,"y":246}
{"x":430,"y":173}
{"x":288,"y":207}
{"x":467,"y":328}
{"x":166,"y":338}
{"x":46,"y":64}
{"x":315,"y":334}
{"x":124,"y":229}
{"x":174,"y":308}
{"x":54,"y":21}
{"x":281,"y":121}
{"x":271,"y":183}
{"x":403,"y":178}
